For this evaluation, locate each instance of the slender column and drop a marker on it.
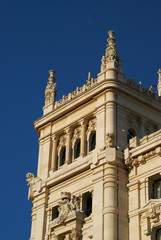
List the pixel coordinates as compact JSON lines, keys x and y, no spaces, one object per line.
{"x":54,"y":154}
{"x":83,"y":138}
{"x":110,"y":203}
{"x":68,"y":146}
{"x":110,"y":113}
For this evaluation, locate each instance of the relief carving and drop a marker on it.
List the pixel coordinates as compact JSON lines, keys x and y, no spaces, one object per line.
{"x":67,"y":205}
{"x":91,"y":127}
{"x":110,"y":140}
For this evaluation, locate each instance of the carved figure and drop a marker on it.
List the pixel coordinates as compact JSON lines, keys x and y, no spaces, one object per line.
{"x":110,"y":140}
{"x":51,"y":89}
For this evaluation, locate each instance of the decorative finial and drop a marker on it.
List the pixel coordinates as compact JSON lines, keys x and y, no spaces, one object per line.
{"x":111,"y":33}
{"x":89,"y":76}
{"x":51,"y":78}
{"x":159,"y":74}
{"x":159,"y":82}
{"x":111,"y":52}
{"x":51,"y":89}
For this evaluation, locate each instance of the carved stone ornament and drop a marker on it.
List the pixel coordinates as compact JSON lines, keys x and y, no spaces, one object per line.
{"x":34,"y":183}
{"x":76,"y":134}
{"x":111,"y":52}
{"x":150,"y":216}
{"x":51,"y":89}
{"x":62,"y":141}
{"x":67,"y":205}
{"x":132,"y":162}
{"x":110,"y":140}
{"x":91,"y":126}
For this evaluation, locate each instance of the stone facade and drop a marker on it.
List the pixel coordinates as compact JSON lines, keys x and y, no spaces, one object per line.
{"x":99,"y":159}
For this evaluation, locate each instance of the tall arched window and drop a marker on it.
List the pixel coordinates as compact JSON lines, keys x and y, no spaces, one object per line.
{"x":92,"y":141}
{"x":77,"y":149}
{"x":62,"y":156}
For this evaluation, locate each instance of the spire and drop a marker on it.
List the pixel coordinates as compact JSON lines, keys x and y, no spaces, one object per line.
{"x":111,"y":59}
{"x":159,"y":82}
{"x":51,"y":89}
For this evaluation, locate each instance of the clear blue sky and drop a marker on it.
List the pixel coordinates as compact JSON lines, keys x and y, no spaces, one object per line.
{"x":69,"y":37}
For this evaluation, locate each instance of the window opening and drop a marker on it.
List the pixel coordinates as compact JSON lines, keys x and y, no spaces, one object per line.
{"x":87,"y":203}
{"x":77,"y":149}
{"x":55,"y":212}
{"x":92,"y":141}
{"x":131,"y":134}
{"x":157,"y":189}
{"x":62,"y":156}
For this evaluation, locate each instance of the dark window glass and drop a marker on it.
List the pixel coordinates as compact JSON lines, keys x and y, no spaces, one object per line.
{"x":87,"y":203}
{"x":92,"y":141}
{"x":89,"y":206}
{"x":77,"y":149}
{"x":158,"y":234}
{"x":55,"y":212}
{"x":62,"y":156}
{"x":157,"y":189}
{"x":131,"y":134}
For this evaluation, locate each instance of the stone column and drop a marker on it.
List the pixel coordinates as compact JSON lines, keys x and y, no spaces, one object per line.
{"x":110,"y":203}
{"x":54,"y":154}
{"x":68,"y":146}
{"x":83,"y":138}
{"x":111,"y":113}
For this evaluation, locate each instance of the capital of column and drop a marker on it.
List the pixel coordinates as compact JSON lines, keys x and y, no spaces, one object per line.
{"x":54,"y":138}
{"x":68,"y":130}
{"x":83,"y":122}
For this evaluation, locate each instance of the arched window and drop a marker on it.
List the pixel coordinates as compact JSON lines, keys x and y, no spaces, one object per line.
{"x":131,"y":134}
{"x":62,"y":156}
{"x":92,"y":141}
{"x":77,"y":149}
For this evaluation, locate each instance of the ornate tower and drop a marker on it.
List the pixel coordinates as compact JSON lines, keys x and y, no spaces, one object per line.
{"x":80,"y":190}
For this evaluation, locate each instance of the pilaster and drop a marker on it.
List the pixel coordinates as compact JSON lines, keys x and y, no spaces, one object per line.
{"x":110,"y":202}
{"x":68,"y":146}
{"x":54,"y":153}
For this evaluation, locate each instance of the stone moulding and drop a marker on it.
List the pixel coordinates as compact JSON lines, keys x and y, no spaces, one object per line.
{"x":149,"y":91}
{"x":150,"y":216}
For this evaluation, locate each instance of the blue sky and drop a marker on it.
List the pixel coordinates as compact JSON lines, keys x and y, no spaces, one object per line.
{"x":69,"y":37}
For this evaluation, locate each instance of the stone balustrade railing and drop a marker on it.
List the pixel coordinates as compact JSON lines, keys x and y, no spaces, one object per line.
{"x":92,"y":82}
{"x":65,"y":99}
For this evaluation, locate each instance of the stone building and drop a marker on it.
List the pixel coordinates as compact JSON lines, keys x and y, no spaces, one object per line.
{"x":99,"y":160}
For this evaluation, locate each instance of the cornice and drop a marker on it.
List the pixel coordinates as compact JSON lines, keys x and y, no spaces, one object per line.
{"x":85,"y":97}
